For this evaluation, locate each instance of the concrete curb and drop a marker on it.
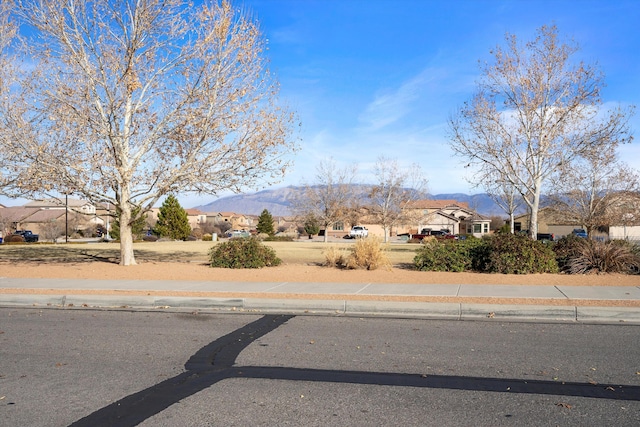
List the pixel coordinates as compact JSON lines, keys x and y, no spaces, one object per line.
{"x":513,"y":312}
{"x":390,"y":309}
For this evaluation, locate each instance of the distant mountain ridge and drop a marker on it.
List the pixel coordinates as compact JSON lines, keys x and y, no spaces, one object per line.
{"x":276,"y":201}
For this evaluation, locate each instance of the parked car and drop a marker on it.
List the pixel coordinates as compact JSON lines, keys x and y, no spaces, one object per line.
{"x":438,"y":234}
{"x":549,"y":237}
{"x":546,"y":237}
{"x":238,"y":233}
{"x":358,"y":231}
{"x":27,"y":235}
{"x":580,"y":232}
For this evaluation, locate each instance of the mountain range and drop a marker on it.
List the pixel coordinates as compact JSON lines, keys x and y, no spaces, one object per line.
{"x":276,"y":201}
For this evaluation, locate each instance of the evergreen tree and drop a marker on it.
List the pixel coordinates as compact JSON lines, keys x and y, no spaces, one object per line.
{"x":265,"y":223}
{"x":172,"y":220}
{"x":311,"y":226}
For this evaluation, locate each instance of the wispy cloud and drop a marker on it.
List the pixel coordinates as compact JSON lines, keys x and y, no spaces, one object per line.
{"x":391,"y":105}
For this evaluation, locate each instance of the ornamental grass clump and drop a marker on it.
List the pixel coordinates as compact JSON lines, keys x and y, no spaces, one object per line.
{"x":243,"y":253}
{"x":590,"y":256}
{"x":334,"y":257}
{"x":368,"y":253}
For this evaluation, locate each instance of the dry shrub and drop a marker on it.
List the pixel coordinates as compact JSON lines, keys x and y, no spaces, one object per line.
{"x":334,"y":257}
{"x":368,"y":253}
{"x":603,"y":257}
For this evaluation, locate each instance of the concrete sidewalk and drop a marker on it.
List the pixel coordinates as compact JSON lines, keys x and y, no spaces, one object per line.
{"x":576,"y":303}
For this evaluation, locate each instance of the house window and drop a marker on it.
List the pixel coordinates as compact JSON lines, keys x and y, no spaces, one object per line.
{"x":477,"y":228}
{"x":469,"y":231}
{"x":338,"y":226}
{"x":486,"y":228}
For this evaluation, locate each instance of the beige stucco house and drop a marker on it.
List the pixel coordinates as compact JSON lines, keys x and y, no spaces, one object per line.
{"x":622,"y":210}
{"x":43,"y":216}
{"x":451,"y":215}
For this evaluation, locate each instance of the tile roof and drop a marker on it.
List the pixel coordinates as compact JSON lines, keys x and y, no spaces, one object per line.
{"x":436,"y":204}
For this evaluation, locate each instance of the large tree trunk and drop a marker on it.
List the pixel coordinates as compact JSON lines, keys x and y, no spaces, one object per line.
{"x":535,"y":206}
{"x":126,"y":244}
{"x":126,"y":235}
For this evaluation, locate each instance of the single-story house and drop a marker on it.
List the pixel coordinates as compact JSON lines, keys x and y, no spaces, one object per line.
{"x":623,"y":212}
{"x":48,"y":217}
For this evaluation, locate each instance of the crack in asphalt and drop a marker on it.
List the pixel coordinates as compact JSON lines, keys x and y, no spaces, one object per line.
{"x":215,"y":362}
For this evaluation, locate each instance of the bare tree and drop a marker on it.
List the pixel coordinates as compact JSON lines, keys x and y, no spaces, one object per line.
{"x":52,"y":230}
{"x":5,"y":225}
{"x":8,"y":70}
{"x":330,"y":198}
{"x":129,"y":100}
{"x":394,"y":188}
{"x":584,"y":191}
{"x":502,"y":192}
{"x":535,"y":112}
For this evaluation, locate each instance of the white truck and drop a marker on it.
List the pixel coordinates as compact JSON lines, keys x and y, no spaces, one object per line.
{"x":358,"y":231}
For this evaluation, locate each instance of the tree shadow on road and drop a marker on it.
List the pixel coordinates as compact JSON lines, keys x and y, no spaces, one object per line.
{"x":216,"y":362}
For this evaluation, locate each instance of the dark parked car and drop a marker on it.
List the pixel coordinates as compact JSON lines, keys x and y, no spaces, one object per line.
{"x":27,"y":235}
{"x":543,"y":237}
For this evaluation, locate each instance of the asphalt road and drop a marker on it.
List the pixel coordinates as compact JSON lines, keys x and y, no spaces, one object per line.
{"x":93,"y":368}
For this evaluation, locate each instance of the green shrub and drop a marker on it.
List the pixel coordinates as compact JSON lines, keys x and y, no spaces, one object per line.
{"x":517,"y":254}
{"x":603,"y":257}
{"x":447,"y":255}
{"x":507,"y":254}
{"x":243,"y":253}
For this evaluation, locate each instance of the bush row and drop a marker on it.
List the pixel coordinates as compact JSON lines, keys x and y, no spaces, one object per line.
{"x":504,"y":253}
{"x":515,"y":254}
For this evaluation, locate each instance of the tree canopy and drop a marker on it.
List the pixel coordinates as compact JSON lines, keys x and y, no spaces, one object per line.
{"x":125,"y":101}
{"x":536,"y":110}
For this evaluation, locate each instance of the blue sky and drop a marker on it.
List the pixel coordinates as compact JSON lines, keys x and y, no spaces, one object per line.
{"x":381,"y":77}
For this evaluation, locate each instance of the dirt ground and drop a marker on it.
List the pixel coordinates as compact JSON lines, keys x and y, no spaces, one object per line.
{"x":185,"y":271}
{"x":296,"y":273}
